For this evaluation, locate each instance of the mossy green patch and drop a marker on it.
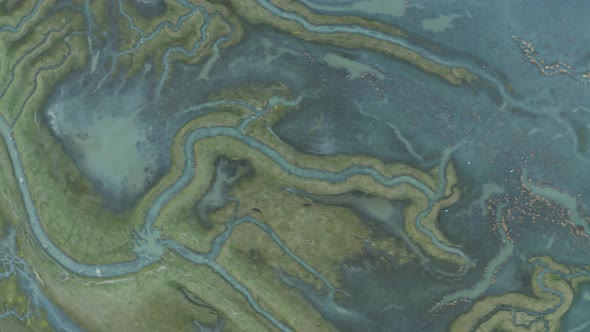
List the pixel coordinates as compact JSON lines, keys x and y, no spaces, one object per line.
{"x":542,"y":301}
{"x":253,"y":258}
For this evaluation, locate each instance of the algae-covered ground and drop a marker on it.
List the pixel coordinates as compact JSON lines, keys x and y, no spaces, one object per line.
{"x":264,"y":165}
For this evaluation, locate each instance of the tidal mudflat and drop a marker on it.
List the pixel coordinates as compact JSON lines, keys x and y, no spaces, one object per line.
{"x":314,"y":165}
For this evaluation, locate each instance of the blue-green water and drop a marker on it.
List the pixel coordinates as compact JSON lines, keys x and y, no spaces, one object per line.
{"x":534,"y":131}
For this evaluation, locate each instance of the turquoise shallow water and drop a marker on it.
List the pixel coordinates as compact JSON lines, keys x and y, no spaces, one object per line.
{"x":499,"y":137}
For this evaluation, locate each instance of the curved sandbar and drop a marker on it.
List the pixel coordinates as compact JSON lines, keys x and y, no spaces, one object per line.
{"x":552,"y":286}
{"x":353,"y":32}
{"x":345,"y":35}
{"x":15,"y":21}
{"x":338,"y":174}
{"x":429,"y":192}
{"x":150,"y":247}
{"x":146,"y":251}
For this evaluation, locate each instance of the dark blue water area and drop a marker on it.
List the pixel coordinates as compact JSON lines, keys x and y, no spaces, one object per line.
{"x":514,"y":276}
{"x":552,"y":26}
{"x":400,"y":114}
{"x":261,"y":59}
{"x":406,"y":116}
{"x":546,"y":236}
{"x":149,"y":8}
{"x":484,"y":30}
{"x":482,"y":36}
{"x":576,"y":319}
{"x":398,"y":300}
{"x":550,"y":238}
{"x":406,"y":296}
{"x":342,"y":115}
{"x":431,"y":115}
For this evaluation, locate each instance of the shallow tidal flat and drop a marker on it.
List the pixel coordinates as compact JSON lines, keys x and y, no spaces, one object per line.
{"x":265,"y":165}
{"x":257,"y":13}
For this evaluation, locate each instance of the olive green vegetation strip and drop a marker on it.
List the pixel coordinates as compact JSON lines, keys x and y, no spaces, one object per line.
{"x":254,"y":259}
{"x":150,"y":300}
{"x":207,"y":151}
{"x":85,"y":224}
{"x":262,"y":130}
{"x":15,"y":300}
{"x":319,"y":227}
{"x":255,"y":13}
{"x":64,"y":196}
{"x":419,"y":202}
{"x":89,"y":197}
{"x":24,"y":57}
{"x":215,"y":147}
{"x":11,"y":207}
{"x":553,"y":286}
{"x":76,"y":214}
{"x":186,"y":33}
{"x":22,"y":13}
{"x":72,"y":212}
